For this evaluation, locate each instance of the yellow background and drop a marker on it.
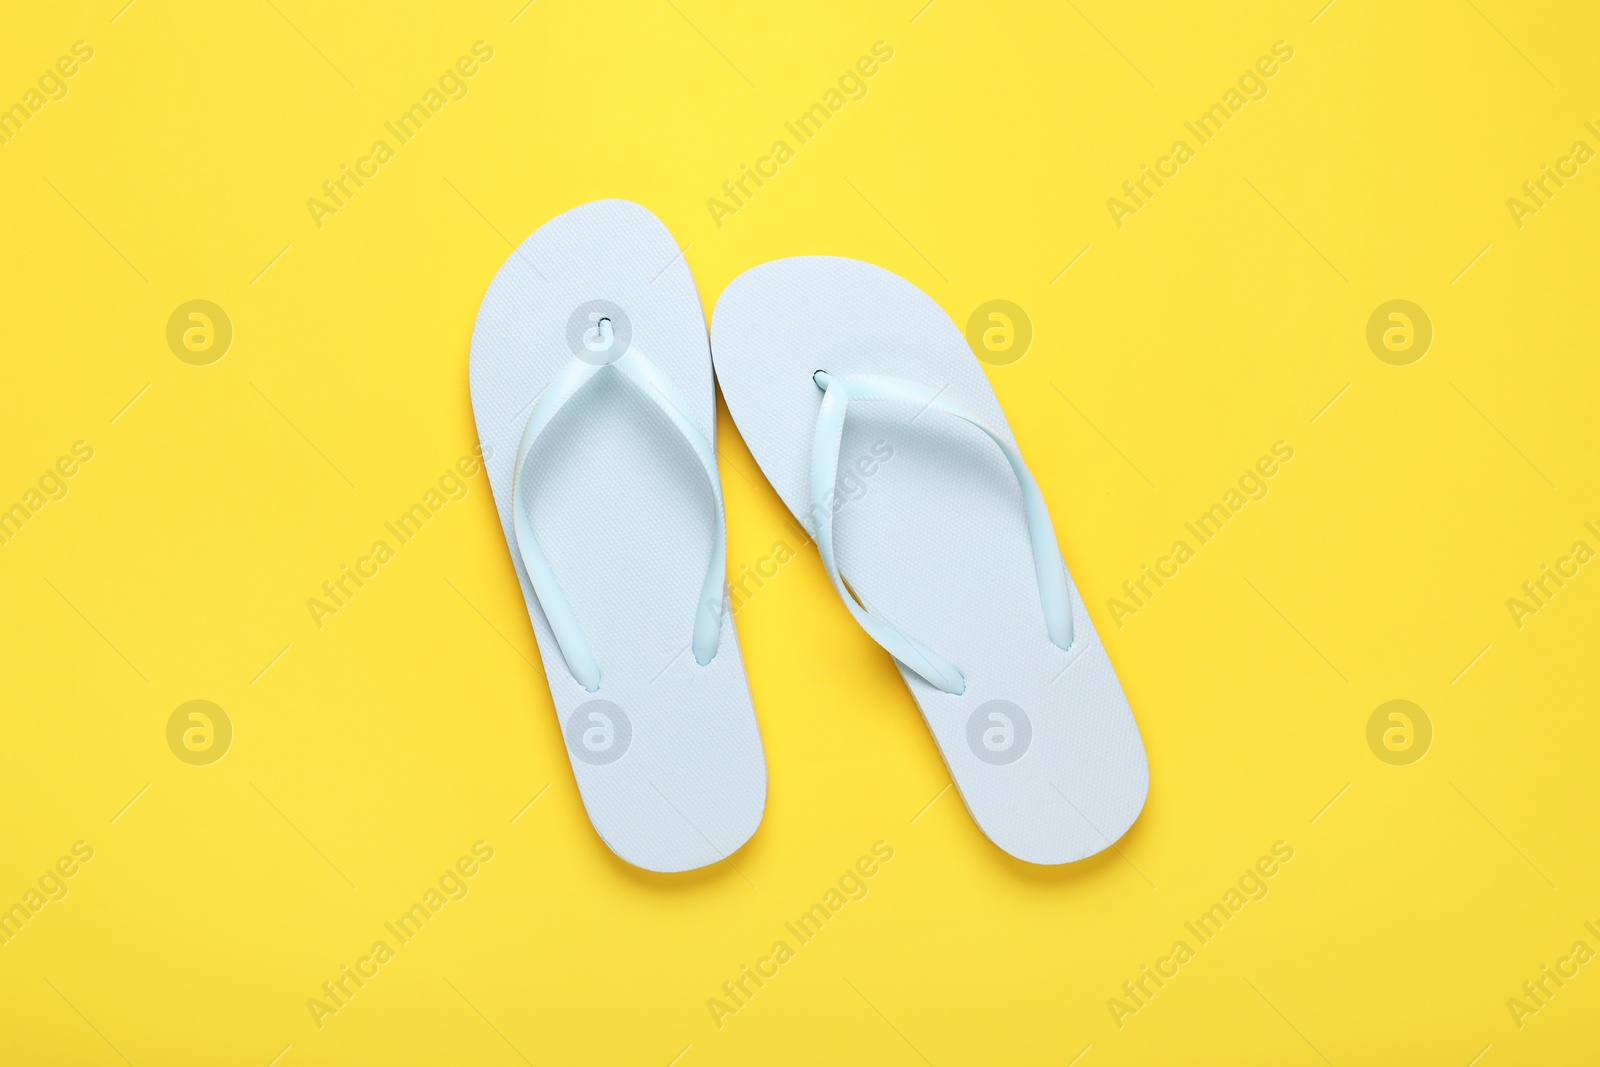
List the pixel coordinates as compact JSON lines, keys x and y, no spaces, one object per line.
{"x":1226,"y":315}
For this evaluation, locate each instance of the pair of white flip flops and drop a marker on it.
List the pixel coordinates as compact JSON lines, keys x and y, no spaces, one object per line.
{"x":592,"y":389}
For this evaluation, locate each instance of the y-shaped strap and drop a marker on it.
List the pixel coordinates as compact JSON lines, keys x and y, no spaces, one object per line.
{"x":838,"y":391}
{"x":569,"y":635}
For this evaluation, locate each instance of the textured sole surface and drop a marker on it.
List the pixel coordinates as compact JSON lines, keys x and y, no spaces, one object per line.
{"x":931,"y":534}
{"x":667,"y":754}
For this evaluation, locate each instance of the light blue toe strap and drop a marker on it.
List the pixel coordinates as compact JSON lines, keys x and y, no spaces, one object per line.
{"x":660,"y":391}
{"x":838,"y":392}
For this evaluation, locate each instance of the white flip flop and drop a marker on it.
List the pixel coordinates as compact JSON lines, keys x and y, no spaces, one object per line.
{"x":868,"y":413}
{"x":591,"y":386}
